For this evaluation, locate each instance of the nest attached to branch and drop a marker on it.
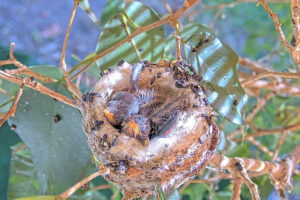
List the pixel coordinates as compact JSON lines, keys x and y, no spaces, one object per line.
{"x":172,"y":152}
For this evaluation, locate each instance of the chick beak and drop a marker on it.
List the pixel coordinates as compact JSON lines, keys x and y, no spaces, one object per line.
{"x":110,"y":116}
{"x":132,"y":129}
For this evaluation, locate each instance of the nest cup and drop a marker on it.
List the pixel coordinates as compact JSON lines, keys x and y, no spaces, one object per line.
{"x":166,"y":160}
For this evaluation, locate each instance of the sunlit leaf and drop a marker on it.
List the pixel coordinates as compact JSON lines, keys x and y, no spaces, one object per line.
{"x":111,"y":9}
{"x":53,"y":133}
{"x":217,"y":63}
{"x":148,"y":45}
{"x":7,"y":139}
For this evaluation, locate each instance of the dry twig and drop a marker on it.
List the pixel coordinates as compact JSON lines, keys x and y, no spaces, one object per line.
{"x":260,"y":146}
{"x":269,"y":132}
{"x":171,"y":19}
{"x":70,"y":85}
{"x":81,"y":183}
{"x":38,"y":87}
{"x":277,"y":24}
{"x":279,"y":143}
{"x":23,"y":69}
{"x":178,"y":54}
{"x":270,"y":74}
{"x":13,"y":108}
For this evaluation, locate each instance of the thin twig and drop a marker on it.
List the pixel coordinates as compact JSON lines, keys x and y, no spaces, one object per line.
{"x":277,"y":24}
{"x":19,"y":149}
{"x":84,"y":181}
{"x":23,"y":69}
{"x":30,"y":72}
{"x":167,"y":6}
{"x":260,"y":146}
{"x":269,"y":132}
{"x":38,"y":87}
{"x":260,"y":105}
{"x":279,"y":143}
{"x":169,"y":19}
{"x":102,"y":187}
{"x":270,"y":74}
{"x":178,"y":46}
{"x":13,"y":108}
{"x":5,"y":93}
{"x":217,"y":15}
{"x":62,"y":64}
{"x":295,"y":9}
{"x":281,"y":87}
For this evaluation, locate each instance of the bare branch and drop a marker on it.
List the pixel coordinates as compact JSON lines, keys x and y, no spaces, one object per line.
{"x":167,"y":6}
{"x":178,"y":46}
{"x":62,"y":62}
{"x":84,"y":181}
{"x":19,"y":149}
{"x":269,"y":132}
{"x":23,"y":69}
{"x":70,"y":85}
{"x":102,"y":187}
{"x":279,"y":143}
{"x":237,"y":185}
{"x":270,"y":74}
{"x":295,"y":9}
{"x":32,"y":73}
{"x":169,"y":19}
{"x":260,"y":146}
{"x":5,"y":93}
{"x":38,"y":87}
{"x":277,"y":24}
{"x":13,"y":108}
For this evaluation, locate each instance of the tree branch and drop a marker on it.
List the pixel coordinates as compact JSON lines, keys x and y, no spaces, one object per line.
{"x":70,"y":85}
{"x":169,"y":19}
{"x":84,"y":181}
{"x":38,"y":87}
{"x":13,"y":108}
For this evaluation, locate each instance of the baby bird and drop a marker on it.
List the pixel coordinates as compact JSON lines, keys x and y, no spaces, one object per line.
{"x":142,"y":114}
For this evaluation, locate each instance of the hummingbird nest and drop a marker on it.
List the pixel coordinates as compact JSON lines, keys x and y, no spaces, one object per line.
{"x":151,"y":125}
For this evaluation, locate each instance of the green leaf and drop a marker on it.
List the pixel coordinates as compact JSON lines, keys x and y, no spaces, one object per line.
{"x":53,"y":133}
{"x":41,"y":198}
{"x":111,"y":9}
{"x":12,"y":88}
{"x":7,"y":139}
{"x":148,"y":45}
{"x":23,"y":180}
{"x":50,"y":71}
{"x":217,"y":63}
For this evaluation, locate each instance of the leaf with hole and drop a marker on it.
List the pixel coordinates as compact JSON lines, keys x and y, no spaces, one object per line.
{"x":53,"y":133}
{"x":146,"y":46}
